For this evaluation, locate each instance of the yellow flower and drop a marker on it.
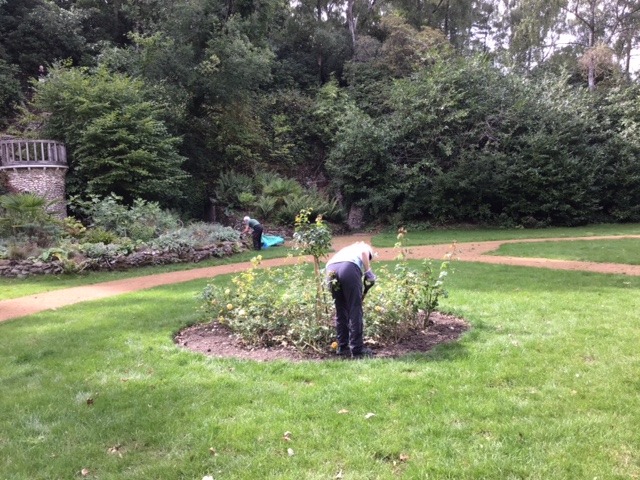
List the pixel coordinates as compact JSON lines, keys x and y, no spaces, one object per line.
{"x":334,"y":345}
{"x":229,"y":306}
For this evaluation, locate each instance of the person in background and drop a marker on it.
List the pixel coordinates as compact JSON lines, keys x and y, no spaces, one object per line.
{"x":256,"y":231}
{"x":345,"y":272}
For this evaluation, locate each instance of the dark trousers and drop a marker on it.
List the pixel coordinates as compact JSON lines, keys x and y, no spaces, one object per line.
{"x":257,"y":237}
{"x":347,"y":296}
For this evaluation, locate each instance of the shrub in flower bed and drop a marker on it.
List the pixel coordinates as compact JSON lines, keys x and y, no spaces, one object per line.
{"x":279,"y":307}
{"x":104,"y":258}
{"x":192,"y":243}
{"x":147,"y":257}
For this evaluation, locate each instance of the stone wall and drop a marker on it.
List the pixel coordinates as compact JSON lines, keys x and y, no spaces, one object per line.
{"x":26,"y":268}
{"x":48,"y":183}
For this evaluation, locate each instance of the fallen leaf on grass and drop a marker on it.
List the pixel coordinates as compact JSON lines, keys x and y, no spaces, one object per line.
{"x":369,"y":415}
{"x":404,"y":457}
{"x":290,"y":452}
{"x":286,"y":436}
{"x":344,"y":410}
{"x":84,"y":472}
{"x":115,"y":450}
{"x":213,"y":452}
{"x":207,"y":477}
{"x":339,"y":474}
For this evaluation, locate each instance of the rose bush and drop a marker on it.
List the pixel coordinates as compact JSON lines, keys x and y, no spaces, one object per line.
{"x":279,"y":306}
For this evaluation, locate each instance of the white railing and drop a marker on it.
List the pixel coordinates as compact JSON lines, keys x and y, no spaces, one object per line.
{"x":32,"y":153}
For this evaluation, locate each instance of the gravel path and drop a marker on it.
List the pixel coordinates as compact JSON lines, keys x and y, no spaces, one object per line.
{"x":468,"y":252}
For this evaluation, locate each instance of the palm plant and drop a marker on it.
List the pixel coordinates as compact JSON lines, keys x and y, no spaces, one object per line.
{"x":26,"y":215}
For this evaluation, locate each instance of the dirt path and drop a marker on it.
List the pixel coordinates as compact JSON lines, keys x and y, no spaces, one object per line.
{"x":468,"y":252}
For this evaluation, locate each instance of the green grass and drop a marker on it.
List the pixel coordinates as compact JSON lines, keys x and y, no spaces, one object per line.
{"x":19,"y":287}
{"x":544,"y":386}
{"x":13,"y":288}
{"x":438,"y":236}
{"x":623,"y":250}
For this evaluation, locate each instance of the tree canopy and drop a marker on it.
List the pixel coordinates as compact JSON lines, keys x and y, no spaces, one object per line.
{"x":513,"y":113}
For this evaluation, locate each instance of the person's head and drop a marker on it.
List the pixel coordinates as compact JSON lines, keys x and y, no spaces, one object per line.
{"x":245,"y":220}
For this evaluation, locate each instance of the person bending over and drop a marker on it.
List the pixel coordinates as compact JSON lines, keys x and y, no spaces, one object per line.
{"x":256,"y":231}
{"x":345,"y":271}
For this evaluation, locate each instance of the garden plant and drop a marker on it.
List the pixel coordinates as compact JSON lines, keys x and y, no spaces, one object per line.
{"x":278,"y":306}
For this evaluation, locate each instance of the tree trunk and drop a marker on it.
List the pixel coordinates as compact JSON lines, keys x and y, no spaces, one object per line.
{"x":351,"y":21}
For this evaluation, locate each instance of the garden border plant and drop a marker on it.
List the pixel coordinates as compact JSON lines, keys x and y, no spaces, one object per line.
{"x":276,"y":307}
{"x":117,"y":236}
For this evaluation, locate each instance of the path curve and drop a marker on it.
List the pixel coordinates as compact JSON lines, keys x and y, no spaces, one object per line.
{"x":467,"y":252}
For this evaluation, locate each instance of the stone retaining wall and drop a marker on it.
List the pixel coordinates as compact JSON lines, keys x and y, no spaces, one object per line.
{"x":48,"y":183}
{"x":25,"y":268}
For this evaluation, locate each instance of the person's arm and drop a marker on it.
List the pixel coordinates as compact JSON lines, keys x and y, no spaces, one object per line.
{"x":366,"y":265}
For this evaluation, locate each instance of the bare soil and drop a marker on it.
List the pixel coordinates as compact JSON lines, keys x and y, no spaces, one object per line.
{"x":214,"y":340}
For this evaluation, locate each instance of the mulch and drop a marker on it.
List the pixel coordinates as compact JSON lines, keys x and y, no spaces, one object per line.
{"x":215,"y":340}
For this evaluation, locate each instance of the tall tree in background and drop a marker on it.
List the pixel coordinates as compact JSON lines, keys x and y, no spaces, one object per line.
{"x":327,"y":42}
{"x":458,"y":20}
{"x":604,"y":27}
{"x":114,"y":134}
{"x":526,"y":30}
{"x":38,"y":32}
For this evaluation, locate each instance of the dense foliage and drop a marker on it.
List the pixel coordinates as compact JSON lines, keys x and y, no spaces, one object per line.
{"x":456,"y":112}
{"x":111,"y":235}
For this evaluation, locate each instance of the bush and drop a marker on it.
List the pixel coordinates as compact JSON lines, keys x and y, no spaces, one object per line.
{"x":99,"y":235}
{"x":24,"y":218}
{"x":229,"y":188}
{"x":141,"y":221}
{"x":198,"y":234}
{"x":279,"y":306}
{"x":106,"y":251}
{"x":274,"y":198}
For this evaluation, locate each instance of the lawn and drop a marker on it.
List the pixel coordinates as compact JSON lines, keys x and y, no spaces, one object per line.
{"x":623,"y":250}
{"x":447,"y":235}
{"x":544,"y":386}
{"x":13,"y":288}
{"x":19,"y":287}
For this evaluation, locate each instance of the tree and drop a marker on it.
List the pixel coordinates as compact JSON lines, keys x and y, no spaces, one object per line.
{"x":38,"y":32}
{"x":116,"y":140}
{"x":320,"y":36}
{"x":130,"y":153}
{"x":10,"y":93}
{"x":599,"y":25}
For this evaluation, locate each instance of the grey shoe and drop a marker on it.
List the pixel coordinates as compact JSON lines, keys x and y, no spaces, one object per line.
{"x":344,"y":352}
{"x":364,"y":353}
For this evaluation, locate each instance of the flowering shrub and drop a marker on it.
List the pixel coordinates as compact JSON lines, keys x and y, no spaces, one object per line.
{"x":404,"y":297}
{"x":270,"y":307}
{"x":279,"y":306}
{"x":313,"y":239}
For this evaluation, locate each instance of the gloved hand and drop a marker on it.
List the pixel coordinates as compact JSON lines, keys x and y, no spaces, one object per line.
{"x":370,"y":276}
